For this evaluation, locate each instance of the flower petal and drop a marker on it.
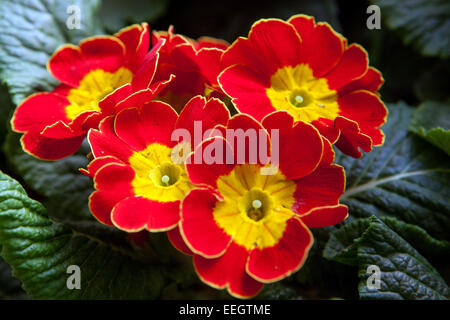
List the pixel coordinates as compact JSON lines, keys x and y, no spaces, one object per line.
{"x":286,"y":257}
{"x":353,"y":65}
{"x":44,"y":148}
{"x":153,"y":123}
{"x":323,"y":187}
{"x":198,"y":228}
{"x":113,"y":183}
{"x":104,"y":142}
{"x":321,"y":47}
{"x":228,"y":271}
{"x":177,"y":241}
{"x":273,"y":44}
{"x":30,"y":114}
{"x":247,"y":89}
{"x":300,"y":145}
{"x":325,"y":216}
{"x":137,"y":213}
{"x":209,"y":113}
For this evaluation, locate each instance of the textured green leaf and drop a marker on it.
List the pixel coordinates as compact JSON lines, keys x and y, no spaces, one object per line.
{"x":30,"y":31}
{"x":407,"y":178}
{"x":64,"y":189}
{"x":405,"y":274}
{"x":40,"y":252}
{"x":116,"y":14}
{"x":423,"y":23}
{"x":431,"y":121}
{"x":343,"y":243}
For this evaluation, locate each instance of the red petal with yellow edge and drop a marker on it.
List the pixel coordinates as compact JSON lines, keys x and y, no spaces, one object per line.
{"x":328,"y":153}
{"x":184,"y":57}
{"x":136,"y":39}
{"x":177,"y":241}
{"x":203,"y":172}
{"x":104,"y":142}
{"x":30,"y":114}
{"x":364,"y":107}
{"x":137,"y":213}
{"x":50,"y":149}
{"x":323,"y":187}
{"x":300,"y":145}
{"x":113,"y":183}
{"x":144,"y":75}
{"x":249,"y":140}
{"x":198,"y":228}
{"x":209,"y":63}
{"x":248,"y":91}
{"x":209,"y":113}
{"x":286,"y":257}
{"x":321,"y":47}
{"x":210,"y":43}
{"x":352,"y":138}
{"x":108,"y":104}
{"x":97,"y":164}
{"x":70,"y":64}
{"x":353,"y":65}
{"x":106,"y":53}
{"x":325,"y":216}
{"x":327,"y":129}
{"x":153,"y":123}
{"x":274,"y":44}
{"x":370,"y":81}
{"x":228,"y":271}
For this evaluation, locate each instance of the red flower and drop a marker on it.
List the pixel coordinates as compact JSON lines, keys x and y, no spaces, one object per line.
{"x":195,"y":64}
{"x":309,"y":70}
{"x":246,"y":228}
{"x":138,"y":185}
{"x":55,"y":123}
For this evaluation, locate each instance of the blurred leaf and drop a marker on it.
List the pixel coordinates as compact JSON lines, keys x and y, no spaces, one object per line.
{"x":40,"y":251}
{"x":424,"y":23}
{"x":116,"y":14}
{"x":30,"y":31}
{"x":431,"y":121}
{"x":64,"y":188}
{"x":405,"y":274}
{"x":6,"y":108}
{"x":407,"y":178}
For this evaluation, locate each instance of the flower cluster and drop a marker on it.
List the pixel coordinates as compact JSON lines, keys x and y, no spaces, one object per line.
{"x":238,"y":192}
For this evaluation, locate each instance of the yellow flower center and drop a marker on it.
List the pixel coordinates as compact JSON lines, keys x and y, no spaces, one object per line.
{"x":256,"y":207}
{"x":157,"y":177}
{"x":307,"y":98}
{"x":93,"y":88}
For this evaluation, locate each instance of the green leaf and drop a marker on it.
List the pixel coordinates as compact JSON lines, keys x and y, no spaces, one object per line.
{"x":423,"y":23}
{"x":30,"y":31}
{"x":407,"y":178}
{"x":40,"y":251}
{"x":343,"y":244}
{"x":404,"y":273}
{"x":64,"y":189}
{"x":431,"y":121}
{"x":116,"y":14}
